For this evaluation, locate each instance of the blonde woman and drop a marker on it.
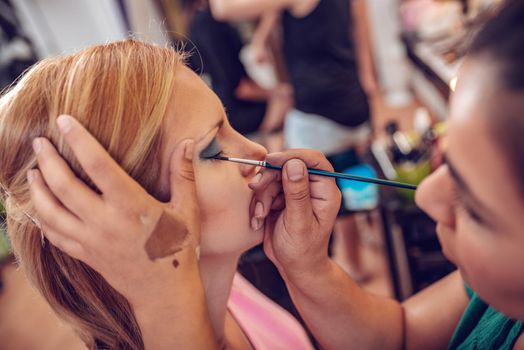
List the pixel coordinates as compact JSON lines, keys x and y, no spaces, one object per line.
{"x":138,"y":284}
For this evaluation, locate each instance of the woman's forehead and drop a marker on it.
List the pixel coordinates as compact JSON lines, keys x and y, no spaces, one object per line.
{"x":194,"y":108}
{"x":476,"y":85}
{"x":472,"y":145}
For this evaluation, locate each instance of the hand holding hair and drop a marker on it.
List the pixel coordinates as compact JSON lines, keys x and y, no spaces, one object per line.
{"x":142,"y":247}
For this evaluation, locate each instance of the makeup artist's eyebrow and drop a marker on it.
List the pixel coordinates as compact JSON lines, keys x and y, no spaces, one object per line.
{"x":464,"y":188}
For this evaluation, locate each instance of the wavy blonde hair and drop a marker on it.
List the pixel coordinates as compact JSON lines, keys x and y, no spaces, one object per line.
{"x":120,"y":93}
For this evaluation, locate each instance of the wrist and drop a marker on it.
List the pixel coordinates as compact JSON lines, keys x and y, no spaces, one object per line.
{"x":306,"y":270}
{"x":313,"y":284}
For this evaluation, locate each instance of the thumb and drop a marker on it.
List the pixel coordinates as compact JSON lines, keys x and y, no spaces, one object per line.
{"x":181,"y":174}
{"x":295,"y":181}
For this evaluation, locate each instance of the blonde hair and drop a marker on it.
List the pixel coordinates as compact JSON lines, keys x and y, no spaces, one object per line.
{"x":119,"y":92}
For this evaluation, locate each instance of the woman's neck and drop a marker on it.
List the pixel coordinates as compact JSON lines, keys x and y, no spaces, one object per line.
{"x":217,"y":273}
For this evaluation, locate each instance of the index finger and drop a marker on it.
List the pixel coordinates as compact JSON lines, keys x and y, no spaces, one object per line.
{"x":105,"y":173}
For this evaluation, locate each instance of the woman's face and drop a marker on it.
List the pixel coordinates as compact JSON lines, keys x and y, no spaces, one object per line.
{"x":474,"y":197}
{"x":195,"y":112}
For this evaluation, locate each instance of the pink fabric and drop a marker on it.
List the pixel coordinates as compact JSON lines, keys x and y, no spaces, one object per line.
{"x":267,"y":325}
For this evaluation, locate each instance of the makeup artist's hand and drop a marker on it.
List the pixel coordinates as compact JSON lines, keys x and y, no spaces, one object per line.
{"x":299,"y":209}
{"x":135,"y":242}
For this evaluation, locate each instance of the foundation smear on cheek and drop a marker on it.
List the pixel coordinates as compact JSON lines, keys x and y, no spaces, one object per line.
{"x":167,"y":238}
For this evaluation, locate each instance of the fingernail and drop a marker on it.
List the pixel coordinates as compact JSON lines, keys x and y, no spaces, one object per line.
{"x":188,"y":150}
{"x":259,"y":210}
{"x":256,"y":179}
{"x":295,"y":170}
{"x":255,"y":224}
{"x":30,"y":176}
{"x":64,"y":123}
{"x":197,"y":252}
{"x":37,"y":145}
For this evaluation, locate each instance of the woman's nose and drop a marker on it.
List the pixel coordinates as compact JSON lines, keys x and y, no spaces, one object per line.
{"x":252,"y":151}
{"x":435,"y":196}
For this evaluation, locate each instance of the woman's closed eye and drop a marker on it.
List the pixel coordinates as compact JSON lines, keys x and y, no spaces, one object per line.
{"x":212,"y":151}
{"x":460,"y":202}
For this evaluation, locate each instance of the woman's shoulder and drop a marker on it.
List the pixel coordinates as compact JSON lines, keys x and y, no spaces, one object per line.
{"x":265,"y":323}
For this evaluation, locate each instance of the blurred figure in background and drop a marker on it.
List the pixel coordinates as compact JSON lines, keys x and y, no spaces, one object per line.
{"x":216,"y":47}
{"x":322,"y":42}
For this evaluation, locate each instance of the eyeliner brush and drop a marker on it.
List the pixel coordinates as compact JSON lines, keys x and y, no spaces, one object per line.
{"x":323,"y":173}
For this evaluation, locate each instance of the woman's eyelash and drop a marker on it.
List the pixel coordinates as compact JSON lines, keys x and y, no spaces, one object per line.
{"x":460,"y":202}
{"x":213,"y":157}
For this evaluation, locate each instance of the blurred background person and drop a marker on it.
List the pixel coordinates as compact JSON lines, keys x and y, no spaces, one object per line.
{"x":215,"y":47}
{"x":320,"y":44}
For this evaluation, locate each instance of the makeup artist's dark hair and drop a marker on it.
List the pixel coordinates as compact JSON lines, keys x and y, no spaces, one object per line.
{"x":501,"y":41}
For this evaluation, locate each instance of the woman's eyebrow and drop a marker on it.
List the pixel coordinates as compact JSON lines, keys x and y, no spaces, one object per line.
{"x":464,"y":188}
{"x":216,"y":126}
{"x":219,"y":123}
{"x":457,"y":177}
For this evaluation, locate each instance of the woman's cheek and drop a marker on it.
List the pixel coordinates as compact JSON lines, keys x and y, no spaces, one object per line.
{"x":212,"y":194}
{"x":222,"y":192}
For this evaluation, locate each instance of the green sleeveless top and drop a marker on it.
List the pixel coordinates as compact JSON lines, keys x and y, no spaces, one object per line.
{"x":481,"y":327}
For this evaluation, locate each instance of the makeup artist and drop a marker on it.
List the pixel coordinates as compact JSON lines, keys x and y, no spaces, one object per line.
{"x":476,"y":198}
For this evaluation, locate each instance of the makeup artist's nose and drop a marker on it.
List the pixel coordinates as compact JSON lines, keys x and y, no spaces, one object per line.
{"x":252,"y":151}
{"x":435,"y":196}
